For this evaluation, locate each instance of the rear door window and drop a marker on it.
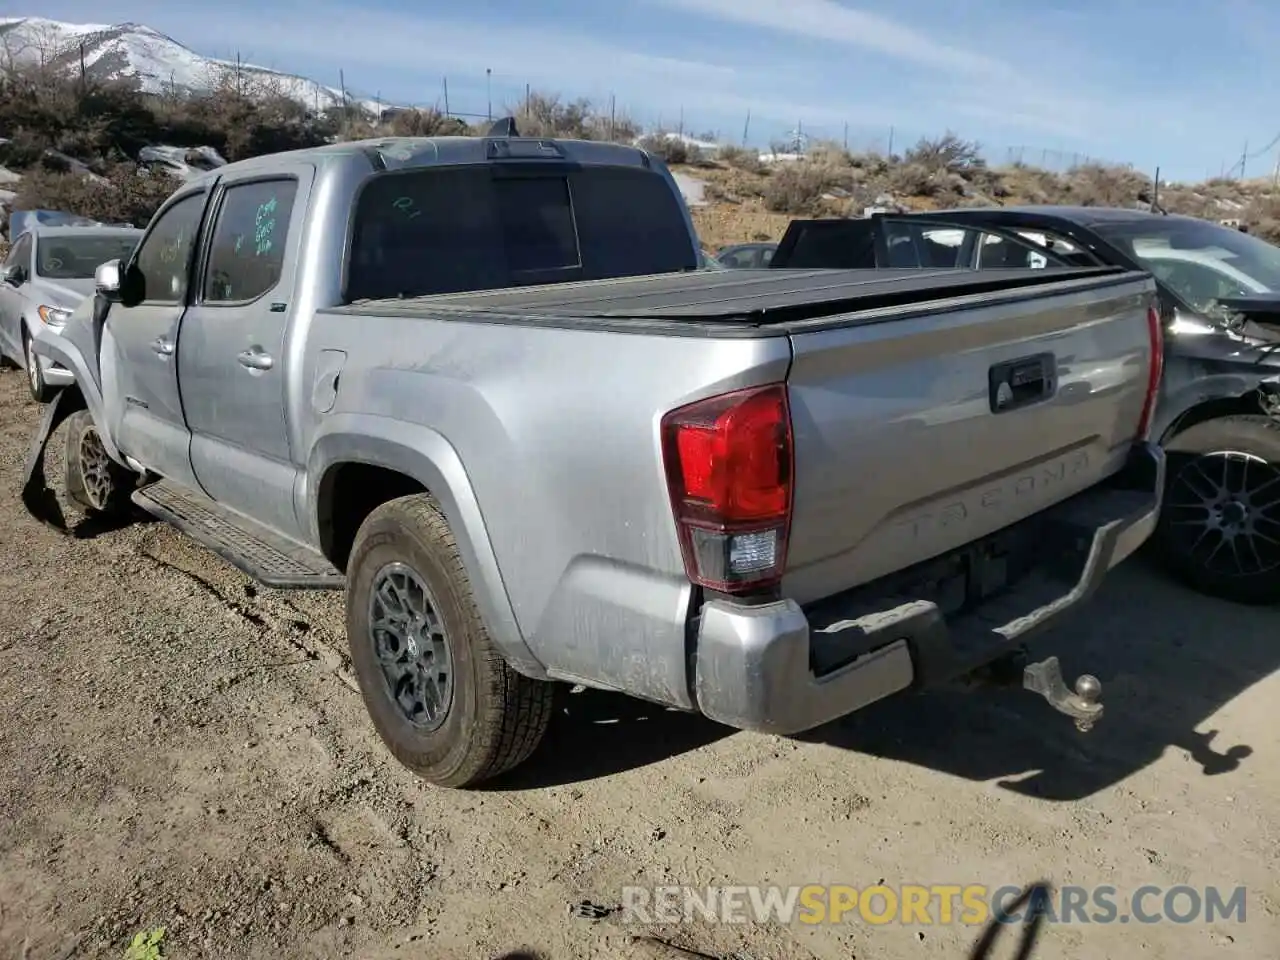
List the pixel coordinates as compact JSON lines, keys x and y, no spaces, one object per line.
{"x":454,"y":229}
{"x":246,"y":257}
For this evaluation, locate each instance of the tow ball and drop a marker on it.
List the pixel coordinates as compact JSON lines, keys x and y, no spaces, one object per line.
{"x":1083,"y":705}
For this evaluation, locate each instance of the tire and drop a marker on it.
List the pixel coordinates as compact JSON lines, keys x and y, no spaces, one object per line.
{"x":95,"y":482}
{"x":1224,"y":472}
{"x":40,"y":391}
{"x":491,"y":718}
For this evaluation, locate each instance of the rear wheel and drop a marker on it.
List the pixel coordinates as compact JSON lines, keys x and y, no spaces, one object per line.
{"x":440,"y":695}
{"x":1219,"y":528}
{"x":94,"y":481}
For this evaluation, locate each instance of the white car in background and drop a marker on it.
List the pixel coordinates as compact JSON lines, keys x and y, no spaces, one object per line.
{"x":48,"y":273}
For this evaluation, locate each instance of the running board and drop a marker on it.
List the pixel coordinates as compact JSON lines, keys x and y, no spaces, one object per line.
{"x":264,"y":555}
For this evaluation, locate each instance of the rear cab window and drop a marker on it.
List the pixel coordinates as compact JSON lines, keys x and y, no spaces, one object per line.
{"x":481,"y":227}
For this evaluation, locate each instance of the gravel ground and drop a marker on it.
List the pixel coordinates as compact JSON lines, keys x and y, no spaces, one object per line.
{"x":181,"y":749}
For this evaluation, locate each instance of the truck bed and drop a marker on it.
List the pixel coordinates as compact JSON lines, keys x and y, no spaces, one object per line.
{"x":901,"y":451}
{"x":745,"y":301}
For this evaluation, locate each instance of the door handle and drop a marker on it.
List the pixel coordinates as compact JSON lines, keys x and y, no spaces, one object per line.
{"x":162,"y":346}
{"x":256,"y":360}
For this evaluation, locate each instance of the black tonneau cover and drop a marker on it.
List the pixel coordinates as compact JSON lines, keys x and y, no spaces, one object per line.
{"x":750,"y":296}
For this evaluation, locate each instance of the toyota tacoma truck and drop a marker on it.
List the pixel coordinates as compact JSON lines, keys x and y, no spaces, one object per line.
{"x":482,"y":385}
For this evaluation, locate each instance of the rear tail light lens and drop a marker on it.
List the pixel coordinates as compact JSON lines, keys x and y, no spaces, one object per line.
{"x":1155,"y":333}
{"x":729,"y":463}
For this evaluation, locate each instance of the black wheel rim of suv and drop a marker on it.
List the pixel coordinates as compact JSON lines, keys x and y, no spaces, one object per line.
{"x":1223,"y":512}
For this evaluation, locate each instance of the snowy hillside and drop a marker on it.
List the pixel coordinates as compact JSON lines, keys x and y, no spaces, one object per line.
{"x":160,"y":63}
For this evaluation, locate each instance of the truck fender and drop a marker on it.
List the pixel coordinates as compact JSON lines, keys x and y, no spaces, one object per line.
{"x":427,"y":457}
{"x":37,"y":496}
{"x":57,"y":347}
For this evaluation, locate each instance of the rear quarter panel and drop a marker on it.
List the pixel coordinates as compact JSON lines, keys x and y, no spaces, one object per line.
{"x":558,"y":433}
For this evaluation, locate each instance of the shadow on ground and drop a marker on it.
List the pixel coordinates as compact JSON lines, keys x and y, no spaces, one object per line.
{"x":1168,"y":659}
{"x":97,"y":525}
{"x":594,"y":734}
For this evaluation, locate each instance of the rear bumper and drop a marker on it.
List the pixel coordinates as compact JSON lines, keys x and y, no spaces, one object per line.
{"x":760,"y":667}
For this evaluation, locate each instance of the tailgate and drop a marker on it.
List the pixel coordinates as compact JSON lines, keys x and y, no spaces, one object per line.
{"x":922,"y":432}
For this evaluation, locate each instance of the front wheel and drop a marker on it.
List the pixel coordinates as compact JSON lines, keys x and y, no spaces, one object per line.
{"x":1219,"y":528}
{"x":94,"y":481}
{"x":440,"y":695}
{"x":41,"y":392}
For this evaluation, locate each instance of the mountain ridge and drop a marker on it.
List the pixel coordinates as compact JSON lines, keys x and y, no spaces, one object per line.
{"x":157,"y":61}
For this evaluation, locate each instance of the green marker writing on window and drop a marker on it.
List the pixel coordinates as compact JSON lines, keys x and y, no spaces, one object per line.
{"x":405,"y":206}
{"x":264,"y":227}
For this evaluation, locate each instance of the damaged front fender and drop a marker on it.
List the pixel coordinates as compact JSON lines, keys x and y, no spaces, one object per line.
{"x":76,"y":347}
{"x":37,"y":496}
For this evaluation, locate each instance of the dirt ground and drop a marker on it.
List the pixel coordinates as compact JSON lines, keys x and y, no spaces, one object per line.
{"x":181,"y":749}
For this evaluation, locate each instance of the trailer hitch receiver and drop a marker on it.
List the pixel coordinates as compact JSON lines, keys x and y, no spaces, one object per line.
{"x":1083,"y":706}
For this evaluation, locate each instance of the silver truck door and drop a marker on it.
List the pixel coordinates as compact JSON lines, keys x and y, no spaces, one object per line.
{"x":231,"y":359}
{"x":138,"y":357}
{"x":11,"y":299}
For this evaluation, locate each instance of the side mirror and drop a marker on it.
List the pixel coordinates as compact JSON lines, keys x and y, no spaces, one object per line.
{"x":106,"y":280}
{"x":14,"y":275}
{"x":132,"y":286}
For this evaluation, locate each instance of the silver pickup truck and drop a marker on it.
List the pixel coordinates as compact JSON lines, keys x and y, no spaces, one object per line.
{"x":480,"y":385}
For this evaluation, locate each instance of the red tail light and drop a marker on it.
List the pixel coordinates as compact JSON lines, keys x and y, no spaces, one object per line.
{"x":729,"y":463}
{"x":1155,"y":331}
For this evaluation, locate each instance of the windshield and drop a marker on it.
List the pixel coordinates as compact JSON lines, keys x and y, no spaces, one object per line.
{"x":1199,"y":261}
{"x":76,"y":257}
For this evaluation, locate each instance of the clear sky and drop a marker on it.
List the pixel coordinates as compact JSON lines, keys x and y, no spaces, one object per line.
{"x":1183,"y":84}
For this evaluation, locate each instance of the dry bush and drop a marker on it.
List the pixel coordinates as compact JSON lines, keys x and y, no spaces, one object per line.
{"x":126,"y":194}
{"x":871,"y":164}
{"x":1263,"y":218}
{"x":1096,"y":185}
{"x":24,"y":149}
{"x":948,"y":152}
{"x":425,"y":123}
{"x":914,"y":180}
{"x":104,"y":122}
{"x":829,"y":153}
{"x":797,"y":187}
{"x":740,"y":158}
{"x":1267,"y":229}
{"x":547,"y":115}
{"x":670,"y":149}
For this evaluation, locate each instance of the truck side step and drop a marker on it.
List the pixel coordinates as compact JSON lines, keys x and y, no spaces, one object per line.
{"x":269,"y":558}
